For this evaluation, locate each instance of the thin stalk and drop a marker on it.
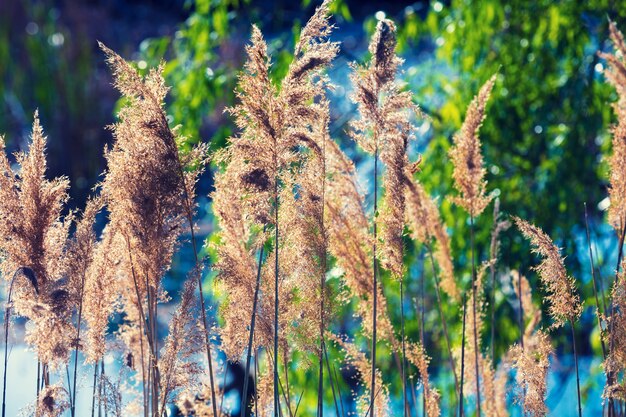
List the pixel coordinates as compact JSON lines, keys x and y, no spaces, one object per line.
{"x":580,"y":409}
{"x":69,"y":386}
{"x":7,"y":319}
{"x":442,"y":318}
{"x":244,"y":392}
{"x":521,"y":328}
{"x":462,"y":357}
{"x":369,"y":409}
{"x":404,"y":397}
{"x":256,"y":383}
{"x":375,"y":287}
{"x":593,"y":276}
{"x":276,"y":398}
{"x":93,"y":394}
{"x":332,"y":385}
{"x":223,"y":390}
{"x":295,"y":412}
{"x":320,"y":388}
{"x":46,"y":375}
{"x":600,"y":284}
{"x":492,"y":303}
{"x":610,"y":377}
{"x":521,"y":309}
{"x":335,"y":380}
{"x":100,"y":388}
{"x":79,"y":321}
{"x":422,"y":321}
{"x":104,"y":388}
{"x":474,"y":290}
{"x":156,"y":384}
{"x":147,"y":329}
{"x":143,"y":376}
{"x":282,"y":390}
{"x":38,"y":378}
{"x":288,"y":389}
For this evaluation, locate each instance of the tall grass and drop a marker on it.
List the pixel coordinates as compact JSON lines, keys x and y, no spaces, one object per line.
{"x":296,"y":243}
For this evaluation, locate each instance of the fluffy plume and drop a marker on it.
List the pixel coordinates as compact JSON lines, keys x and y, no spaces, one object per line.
{"x":616,"y":76}
{"x":473,"y":340}
{"x":467,"y":158}
{"x":101,"y":291}
{"x":564,"y":302}
{"x":149,"y":189}
{"x":236,"y":266}
{"x":494,"y":387}
{"x":274,"y":125}
{"x":532,"y":363}
{"x":499,"y":226}
{"x":82,"y":246}
{"x":532,"y":314}
{"x":350,"y":242}
{"x":357,"y":359}
{"x":616,"y":358}
{"x":178,"y":370}
{"x":416,"y":354}
{"x":144,"y":186}
{"x":197,"y":403}
{"x":384,"y":130}
{"x":422,"y":216}
{"x":52,"y":402}
{"x":33,"y":243}
{"x":32,"y":231}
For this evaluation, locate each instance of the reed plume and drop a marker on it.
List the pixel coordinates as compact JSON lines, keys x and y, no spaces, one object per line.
{"x":498,"y":227}
{"x":274,"y":123}
{"x":474,"y":312}
{"x":494,"y":387}
{"x":102,"y":287}
{"x":350,"y":241}
{"x":416,"y":354}
{"x":468,"y":174}
{"x":616,"y":76}
{"x":424,"y":220}
{"x":34,"y":241}
{"x":53,"y":401}
{"x":384,"y":130}
{"x":564,"y":302}
{"x":178,"y":367}
{"x":80,"y":255}
{"x":146,"y":187}
{"x":236,"y":265}
{"x":357,"y":359}
{"x":532,"y":362}
{"x":531,"y":314}
{"x":467,"y":159}
{"x":616,"y":357}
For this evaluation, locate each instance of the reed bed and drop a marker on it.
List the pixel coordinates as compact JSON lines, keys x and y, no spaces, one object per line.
{"x":298,"y":240}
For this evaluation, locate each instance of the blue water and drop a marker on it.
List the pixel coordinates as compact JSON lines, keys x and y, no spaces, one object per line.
{"x":561,"y":399}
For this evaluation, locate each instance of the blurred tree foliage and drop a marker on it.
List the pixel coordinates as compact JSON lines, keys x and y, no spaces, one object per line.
{"x":547,"y":121}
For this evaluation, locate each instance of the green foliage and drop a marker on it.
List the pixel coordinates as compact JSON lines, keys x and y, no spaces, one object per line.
{"x":198,"y":68}
{"x":546,"y":126}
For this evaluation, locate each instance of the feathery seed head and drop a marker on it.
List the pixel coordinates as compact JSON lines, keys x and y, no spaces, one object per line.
{"x":532,"y":365}
{"x":616,"y":76}
{"x":564,"y":302}
{"x":466,"y":156}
